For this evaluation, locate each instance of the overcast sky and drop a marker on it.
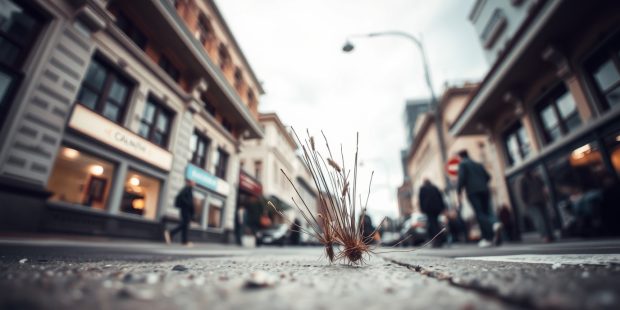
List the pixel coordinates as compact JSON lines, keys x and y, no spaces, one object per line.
{"x":294,"y":47}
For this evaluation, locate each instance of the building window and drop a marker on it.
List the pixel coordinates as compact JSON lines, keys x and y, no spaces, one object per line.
{"x":238,"y":79}
{"x":224,"y":57}
{"x":227,"y":125}
{"x":169,"y":68}
{"x":155,"y":123}
{"x":208,"y":105}
{"x":516,"y":144}
{"x":250,"y":96}
{"x":604,"y":72}
{"x":214,"y":216}
{"x":558,"y":114}
{"x":131,"y":30}
{"x":105,"y":91}
{"x":258,"y":169}
{"x":221,"y":163}
{"x":199,"y":146}
{"x":141,"y":195}
{"x":19,"y":29}
{"x":80,"y":178}
{"x":204,"y":33}
{"x":493,"y":28}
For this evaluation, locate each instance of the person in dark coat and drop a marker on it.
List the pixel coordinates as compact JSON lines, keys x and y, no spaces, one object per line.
{"x":474,"y":179}
{"x":432,"y":204}
{"x":367,"y":229}
{"x":184,"y":201}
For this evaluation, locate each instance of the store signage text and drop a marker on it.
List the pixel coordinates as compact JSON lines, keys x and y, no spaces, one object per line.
{"x":207,"y":180}
{"x":103,"y":130}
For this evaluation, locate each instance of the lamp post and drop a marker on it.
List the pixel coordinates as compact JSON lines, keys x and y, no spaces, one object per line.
{"x":434,"y":104}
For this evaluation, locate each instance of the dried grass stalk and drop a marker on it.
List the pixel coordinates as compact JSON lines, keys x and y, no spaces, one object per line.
{"x":337,"y":222}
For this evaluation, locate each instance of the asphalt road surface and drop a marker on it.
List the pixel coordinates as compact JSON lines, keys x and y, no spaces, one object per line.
{"x":102,"y":274}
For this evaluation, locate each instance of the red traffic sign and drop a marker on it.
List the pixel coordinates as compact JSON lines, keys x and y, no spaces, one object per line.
{"x":452,"y":166}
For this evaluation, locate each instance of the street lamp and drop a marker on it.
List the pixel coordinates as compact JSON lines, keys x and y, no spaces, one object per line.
{"x":434,"y":105}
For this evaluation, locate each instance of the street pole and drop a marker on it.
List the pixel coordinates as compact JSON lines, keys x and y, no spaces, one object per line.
{"x":434,"y":104}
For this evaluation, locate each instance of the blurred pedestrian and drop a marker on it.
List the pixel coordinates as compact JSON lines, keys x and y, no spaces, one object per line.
{"x":296,"y":232}
{"x":474,"y":179}
{"x":534,"y":196}
{"x":367,"y":230}
{"x":184,"y":201}
{"x":432,"y":204}
{"x":241,"y":223}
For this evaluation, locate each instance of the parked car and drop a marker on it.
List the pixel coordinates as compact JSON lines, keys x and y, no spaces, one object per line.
{"x":414,"y":230}
{"x":277,"y":234}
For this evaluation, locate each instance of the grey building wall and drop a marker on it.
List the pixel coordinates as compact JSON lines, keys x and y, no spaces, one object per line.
{"x":43,"y":105}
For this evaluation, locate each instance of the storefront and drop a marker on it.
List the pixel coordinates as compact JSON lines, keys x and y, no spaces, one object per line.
{"x":578,"y":184}
{"x":249,"y":199}
{"x":210,"y":194}
{"x":106,"y":180}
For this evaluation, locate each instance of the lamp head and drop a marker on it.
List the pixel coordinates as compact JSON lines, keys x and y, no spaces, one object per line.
{"x":348,"y":47}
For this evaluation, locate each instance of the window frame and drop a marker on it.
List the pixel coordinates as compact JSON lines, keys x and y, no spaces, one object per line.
{"x":609,"y":49}
{"x":169,"y":67}
{"x":550,"y":98}
{"x":160,"y":108}
{"x":222,"y":169}
{"x":113,"y":73}
{"x":513,"y":130}
{"x":15,"y":69}
{"x":200,"y":137}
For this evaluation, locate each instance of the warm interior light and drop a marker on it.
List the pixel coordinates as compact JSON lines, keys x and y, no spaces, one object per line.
{"x":96,"y":170}
{"x":581,"y":151}
{"x":138,"y":204}
{"x":134,"y":181}
{"x":618,"y":138}
{"x":70,"y":153}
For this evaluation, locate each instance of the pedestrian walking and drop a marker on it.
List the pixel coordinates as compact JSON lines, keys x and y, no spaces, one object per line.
{"x":534,"y":196}
{"x":240,"y":225}
{"x":184,"y":201}
{"x":474,"y":179}
{"x":367,"y":230}
{"x":432,"y":204}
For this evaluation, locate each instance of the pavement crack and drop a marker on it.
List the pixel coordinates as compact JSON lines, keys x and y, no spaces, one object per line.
{"x":490,"y":292}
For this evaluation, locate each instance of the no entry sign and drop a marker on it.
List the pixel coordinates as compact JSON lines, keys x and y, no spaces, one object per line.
{"x":452,"y":166}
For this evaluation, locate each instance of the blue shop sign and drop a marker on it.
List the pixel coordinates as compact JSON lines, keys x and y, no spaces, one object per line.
{"x":201,"y":177}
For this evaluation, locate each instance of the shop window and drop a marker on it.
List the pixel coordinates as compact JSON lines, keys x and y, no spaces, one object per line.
{"x":557,"y":114}
{"x":612,"y":141}
{"x":169,"y":68}
{"x":105,"y":91}
{"x":80,"y":178}
{"x":214,"y":217}
{"x":516,"y":144}
{"x":131,"y":30}
{"x":532,"y":198}
{"x":155,"y":123}
{"x":604,"y":71}
{"x":141,"y":195}
{"x":221,"y":163}
{"x":580,"y":181}
{"x":19,"y":28}
{"x":199,"y":146}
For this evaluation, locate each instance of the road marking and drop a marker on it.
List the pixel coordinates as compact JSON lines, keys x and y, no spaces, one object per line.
{"x":553,"y":259}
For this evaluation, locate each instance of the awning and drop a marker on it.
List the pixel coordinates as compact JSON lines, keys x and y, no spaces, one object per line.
{"x":280,"y":205}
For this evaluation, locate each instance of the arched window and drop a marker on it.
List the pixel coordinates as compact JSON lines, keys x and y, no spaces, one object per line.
{"x":224,"y":56}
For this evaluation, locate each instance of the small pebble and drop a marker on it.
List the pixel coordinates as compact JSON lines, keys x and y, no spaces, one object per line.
{"x":179,"y":268}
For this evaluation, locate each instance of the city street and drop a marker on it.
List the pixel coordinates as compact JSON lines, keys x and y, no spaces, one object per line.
{"x":97,"y":274}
